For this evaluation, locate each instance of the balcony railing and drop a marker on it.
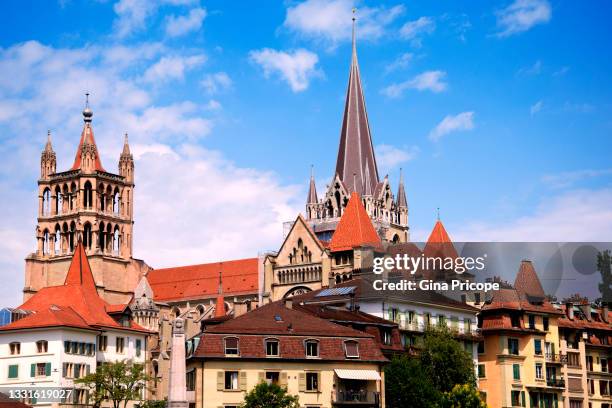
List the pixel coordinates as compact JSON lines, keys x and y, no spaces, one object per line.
{"x":556,"y":358}
{"x":357,"y":397}
{"x":555,"y":382}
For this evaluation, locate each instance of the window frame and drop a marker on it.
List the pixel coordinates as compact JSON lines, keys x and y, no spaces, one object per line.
{"x":312,"y":341}
{"x":225,"y":380}
{"x":15,"y":348}
{"x":271,"y":341}
{"x":237,"y":348}
{"x":42,"y":346}
{"x":346,"y":350}
{"x":120,"y":341}
{"x":310,"y":374}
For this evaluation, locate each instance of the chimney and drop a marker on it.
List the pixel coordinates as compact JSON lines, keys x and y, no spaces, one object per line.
{"x":288,"y":303}
{"x":240,"y":308}
{"x":569,"y":310}
{"x":352,"y":302}
{"x":605,"y":309}
{"x":586,"y":309}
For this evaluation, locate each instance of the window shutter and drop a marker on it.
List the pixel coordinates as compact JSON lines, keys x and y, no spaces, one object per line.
{"x":33,"y":370}
{"x":283,"y":379}
{"x":88,"y":369}
{"x":220,"y":380}
{"x":522,"y":398}
{"x":261,"y":376}
{"x":243,"y":380}
{"x":47,"y":369}
{"x":65,"y":370}
{"x":13,"y":371}
{"x":302,"y":382}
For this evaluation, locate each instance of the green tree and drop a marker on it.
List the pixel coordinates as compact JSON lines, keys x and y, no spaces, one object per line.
{"x":407,"y":385}
{"x":604,"y":266}
{"x":462,"y":396}
{"x":266,"y":395}
{"x":445,"y":361}
{"x":120,"y":382}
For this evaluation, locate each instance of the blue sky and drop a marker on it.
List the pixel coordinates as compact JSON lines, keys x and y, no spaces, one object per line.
{"x":498,"y":112}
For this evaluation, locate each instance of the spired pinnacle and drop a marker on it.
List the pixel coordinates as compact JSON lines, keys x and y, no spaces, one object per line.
{"x":87,"y":112}
{"x":126,"y":146}
{"x":48,"y":147}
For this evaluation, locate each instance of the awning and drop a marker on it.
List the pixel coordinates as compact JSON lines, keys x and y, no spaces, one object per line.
{"x":370,"y":375}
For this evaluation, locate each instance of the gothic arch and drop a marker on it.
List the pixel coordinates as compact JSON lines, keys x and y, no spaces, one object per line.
{"x":46,"y":201}
{"x":298,"y":290}
{"x":87,"y":195}
{"x":87,"y":235}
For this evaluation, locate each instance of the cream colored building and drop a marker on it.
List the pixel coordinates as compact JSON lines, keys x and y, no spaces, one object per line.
{"x":324,"y":364}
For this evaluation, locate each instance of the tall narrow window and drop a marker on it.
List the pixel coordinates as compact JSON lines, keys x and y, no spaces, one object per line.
{"x":231,"y":346}
{"x":42,"y":346}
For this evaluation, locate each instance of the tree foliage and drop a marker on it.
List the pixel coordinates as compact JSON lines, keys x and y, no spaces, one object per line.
{"x":604,"y":266}
{"x":119,"y":381}
{"x":266,"y":395}
{"x":462,"y":396}
{"x":440,"y":376}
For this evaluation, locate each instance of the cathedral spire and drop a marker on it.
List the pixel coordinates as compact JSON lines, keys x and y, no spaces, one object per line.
{"x":220,"y":306}
{"x":356,"y":153}
{"x":401,"y":192}
{"x":88,"y":141}
{"x":312,"y":189}
{"x":48,"y":147}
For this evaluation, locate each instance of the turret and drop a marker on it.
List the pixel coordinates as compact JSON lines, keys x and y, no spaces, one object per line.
{"x":126,"y":162}
{"x":47,"y":159}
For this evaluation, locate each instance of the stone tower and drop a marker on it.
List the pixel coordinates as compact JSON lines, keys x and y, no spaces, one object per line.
{"x":356,"y":171}
{"x":89,"y":202}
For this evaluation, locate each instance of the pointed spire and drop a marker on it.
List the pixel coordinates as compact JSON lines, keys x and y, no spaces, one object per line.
{"x":126,"y":146}
{"x":48,"y":147}
{"x":401,"y":192}
{"x":79,"y":272}
{"x":367,"y":185}
{"x":527,"y":282}
{"x":356,"y":152}
{"x":312,"y":189}
{"x":87,"y":138}
{"x":220,"y":306}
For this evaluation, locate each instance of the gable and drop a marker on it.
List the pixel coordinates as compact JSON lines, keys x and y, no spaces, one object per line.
{"x":300,"y":241}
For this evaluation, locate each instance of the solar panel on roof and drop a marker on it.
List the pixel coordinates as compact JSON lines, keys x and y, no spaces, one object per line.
{"x":345,"y":290}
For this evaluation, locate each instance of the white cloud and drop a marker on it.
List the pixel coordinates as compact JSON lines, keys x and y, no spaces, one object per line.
{"x":297,"y":68}
{"x":536,"y":107}
{"x":133,"y":15}
{"x":172,"y":68}
{"x":427,"y":81}
{"x":389,"y":157}
{"x":569,"y":178}
{"x":414,"y":30}
{"x":181,"y":25}
{"x":534,"y":69}
{"x":401,"y":62}
{"x":330,"y":21}
{"x":579,"y":215}
{"x":561,"y":71}
{"x":522,"y":15}
{"x":216,"y":82}
{"x":452,"y":123}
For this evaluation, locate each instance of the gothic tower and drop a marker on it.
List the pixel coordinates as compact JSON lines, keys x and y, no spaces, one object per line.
{"x":356,"y":171}
{"x":89,"y":202}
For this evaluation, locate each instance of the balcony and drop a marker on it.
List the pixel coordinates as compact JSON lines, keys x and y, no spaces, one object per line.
{"x":555,"y":382}
{"x":353,"y":398}
{"x":556,"y":358}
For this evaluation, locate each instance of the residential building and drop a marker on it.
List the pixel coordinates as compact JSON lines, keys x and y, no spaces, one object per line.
{"x":519,"y":363}
{"x":323,"y":363}
{"x":67,"y":332}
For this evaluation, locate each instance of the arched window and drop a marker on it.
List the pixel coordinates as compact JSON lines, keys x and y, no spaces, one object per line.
{"x":102,"y":199}
{"x":109,"y":201}
{"x":116,"y":242}
{"x":312,"y":348}
{"x":338,"y":205}
{"x":58,"y":239}
{"x":176,"y":312}
{"x":71,"y":236}
{"x":87,"y":235}
{"x":73,"y":190}
{"x":396,"y":239}
{"x":109,"y":238}
{"x":46,"y":242}
{"x":200,"y":310}
{"x":116,"y":201}
{"x":88,"y":195}
{"x":101,"y":240}
{"x":58,"y":200}
{"x":46,"y":204}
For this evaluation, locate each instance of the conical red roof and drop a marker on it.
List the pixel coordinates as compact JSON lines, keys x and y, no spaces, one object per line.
{"x":439,"y":243}
{"x":87,"y":136}
{"x":527,"y":281}
{"x":355,"y":228}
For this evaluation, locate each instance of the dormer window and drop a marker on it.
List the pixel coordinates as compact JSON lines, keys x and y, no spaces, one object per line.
{"x":351,"y":349}
{"x":231,"y":346}
{"x":312,"y":349}
{"x":15,"y":348}
{"x":272,"y":348}
{"x":42,"y":346}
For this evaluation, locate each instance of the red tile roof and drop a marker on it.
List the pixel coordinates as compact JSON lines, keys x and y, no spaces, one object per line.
{"x":527,"y":282}
{"x":291,"y":327}
{"x":202,"y":281}
{"x":86,"y":133}
{"x":355,"y":228}
{"x":439,"y":243}
{"x":76,"y":303}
